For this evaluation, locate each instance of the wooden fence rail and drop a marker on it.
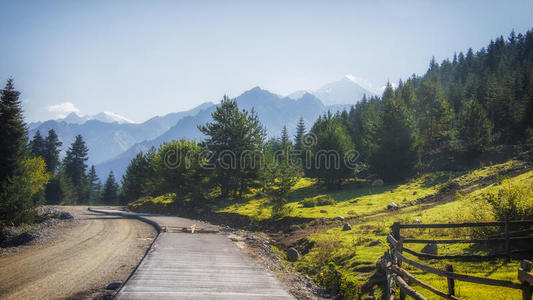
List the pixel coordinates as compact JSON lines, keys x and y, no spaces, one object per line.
{"x":460,"y":225}
{"x":467,"y":241}
{"x":394,"y":259}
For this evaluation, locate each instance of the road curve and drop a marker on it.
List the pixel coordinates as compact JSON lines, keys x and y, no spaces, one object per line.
{"x":80,"y":262}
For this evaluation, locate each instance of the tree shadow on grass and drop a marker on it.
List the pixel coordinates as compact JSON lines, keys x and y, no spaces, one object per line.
{"x":348,"y":192}
{"x":496,"y":267}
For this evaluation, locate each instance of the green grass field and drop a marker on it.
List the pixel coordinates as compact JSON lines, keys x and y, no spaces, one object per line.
{"x":365,"y":209}
{"x":350,"y":250}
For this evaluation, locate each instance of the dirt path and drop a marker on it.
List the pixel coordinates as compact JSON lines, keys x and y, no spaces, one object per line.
{"x":80,"y":262}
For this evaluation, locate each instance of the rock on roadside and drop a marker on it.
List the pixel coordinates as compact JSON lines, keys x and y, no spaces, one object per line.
{"x":295,"y":228}
{"x":392,"y":206}
{"x":430,"y":249}
{"x":292,"y":254}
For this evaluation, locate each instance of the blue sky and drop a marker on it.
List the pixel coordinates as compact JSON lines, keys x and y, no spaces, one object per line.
{"x":146,"y":58}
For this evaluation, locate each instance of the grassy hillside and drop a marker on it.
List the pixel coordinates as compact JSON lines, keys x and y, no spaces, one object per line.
{"x":345,"y":260}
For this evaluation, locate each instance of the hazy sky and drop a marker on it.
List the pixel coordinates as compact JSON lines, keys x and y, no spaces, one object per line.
{"x":146,"y":58}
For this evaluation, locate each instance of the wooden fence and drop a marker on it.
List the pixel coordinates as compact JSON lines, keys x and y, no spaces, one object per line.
{"x":394,"y":258}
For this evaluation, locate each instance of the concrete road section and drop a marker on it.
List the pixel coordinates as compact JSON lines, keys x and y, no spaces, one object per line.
{"x":198,"y":266}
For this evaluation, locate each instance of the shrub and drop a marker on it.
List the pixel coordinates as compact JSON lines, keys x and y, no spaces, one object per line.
{"x":512,"y":201}
{"x":16,"y":200}
{"x":331,"y":278}
{"x":280,"y":210}
{"x":338,"y":283}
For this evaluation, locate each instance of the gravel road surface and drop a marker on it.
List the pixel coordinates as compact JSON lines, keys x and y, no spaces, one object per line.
{"x":79,"y":261}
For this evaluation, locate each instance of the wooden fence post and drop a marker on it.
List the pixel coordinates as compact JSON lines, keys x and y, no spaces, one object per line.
{"x":399,"y":249}
{"x":396,"y":230}
{"x":507,"y":246}
{"x":525,"y":266}
{"x":451,"y":283}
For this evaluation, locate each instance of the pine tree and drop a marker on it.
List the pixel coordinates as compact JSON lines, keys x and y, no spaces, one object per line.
{"x":37,"y":145}
{"x":475,"y":129}
{"x":300,"y":133}
{"x":397,"y":152}
{"x":278,"y":177}
{"x":75,"y":168}
{"x":110,"y":191}
{"x":21,"y":177}
{"x":434,"y":114}
{"x":364,"y":121}
{"x":333,"y":144}
{"x":13,"y":133}
{"x":285,"y":141}
{"x":134,"y":181}
{"x":94,"y":186}
{"x":51,"y":151}
{"x":299,"y":145}
{"x":235,"y":139}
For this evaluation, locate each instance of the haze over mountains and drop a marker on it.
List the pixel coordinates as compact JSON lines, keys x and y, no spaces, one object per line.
{"x":113,"y":140}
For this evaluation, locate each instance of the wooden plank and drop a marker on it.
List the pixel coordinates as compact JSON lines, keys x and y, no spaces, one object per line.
{"x":406,"y":288}
{"x":395,"y":228}
{"x":428,"y":287}
{"x":451,"y":283}
{"x":460,"y":277}
{"x":506,"y":236}
{"x":399,"y":248}
{"x":459,"y":225}
{"x":511,"y":233}
{"x":390,"y":290}
{"x":392,"y":240}
{"x":465,"y":241}
{"x":524,"y":272}
{"x":525,"y":276}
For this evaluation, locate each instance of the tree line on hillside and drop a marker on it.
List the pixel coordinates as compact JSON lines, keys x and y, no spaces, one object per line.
{"x":71,"y":181}
{"x":32,"y":174}
{"x":458,"y":110}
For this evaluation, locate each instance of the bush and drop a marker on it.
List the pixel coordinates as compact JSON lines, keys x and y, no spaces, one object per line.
{"x":321,"y":200}
{"x":280,"y":210}
{"x":331,"y":278}
{"x":16,"y":200}
{"x":338,"y":283}
{"x":512,"y":201}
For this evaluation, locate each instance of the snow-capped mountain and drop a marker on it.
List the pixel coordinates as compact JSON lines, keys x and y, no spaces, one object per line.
{"x":109,"y":117}
{"x":105,"y":136}
{"x":344,"y":91}
{"x":106,"y":117}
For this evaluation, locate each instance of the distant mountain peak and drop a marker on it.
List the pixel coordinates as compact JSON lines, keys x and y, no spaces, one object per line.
{"x":344,"y":91}
{"x":256,"y":90}
{"x":299,"y":94}
{"x":348,"y":90}
{"x":106,"y":117}
{"x":110,"y":117}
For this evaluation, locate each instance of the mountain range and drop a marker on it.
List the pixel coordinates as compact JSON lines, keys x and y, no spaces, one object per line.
{"x":114,"y":140}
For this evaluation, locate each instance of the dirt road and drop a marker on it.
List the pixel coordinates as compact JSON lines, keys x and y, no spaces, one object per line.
{"x":80,"y":262}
